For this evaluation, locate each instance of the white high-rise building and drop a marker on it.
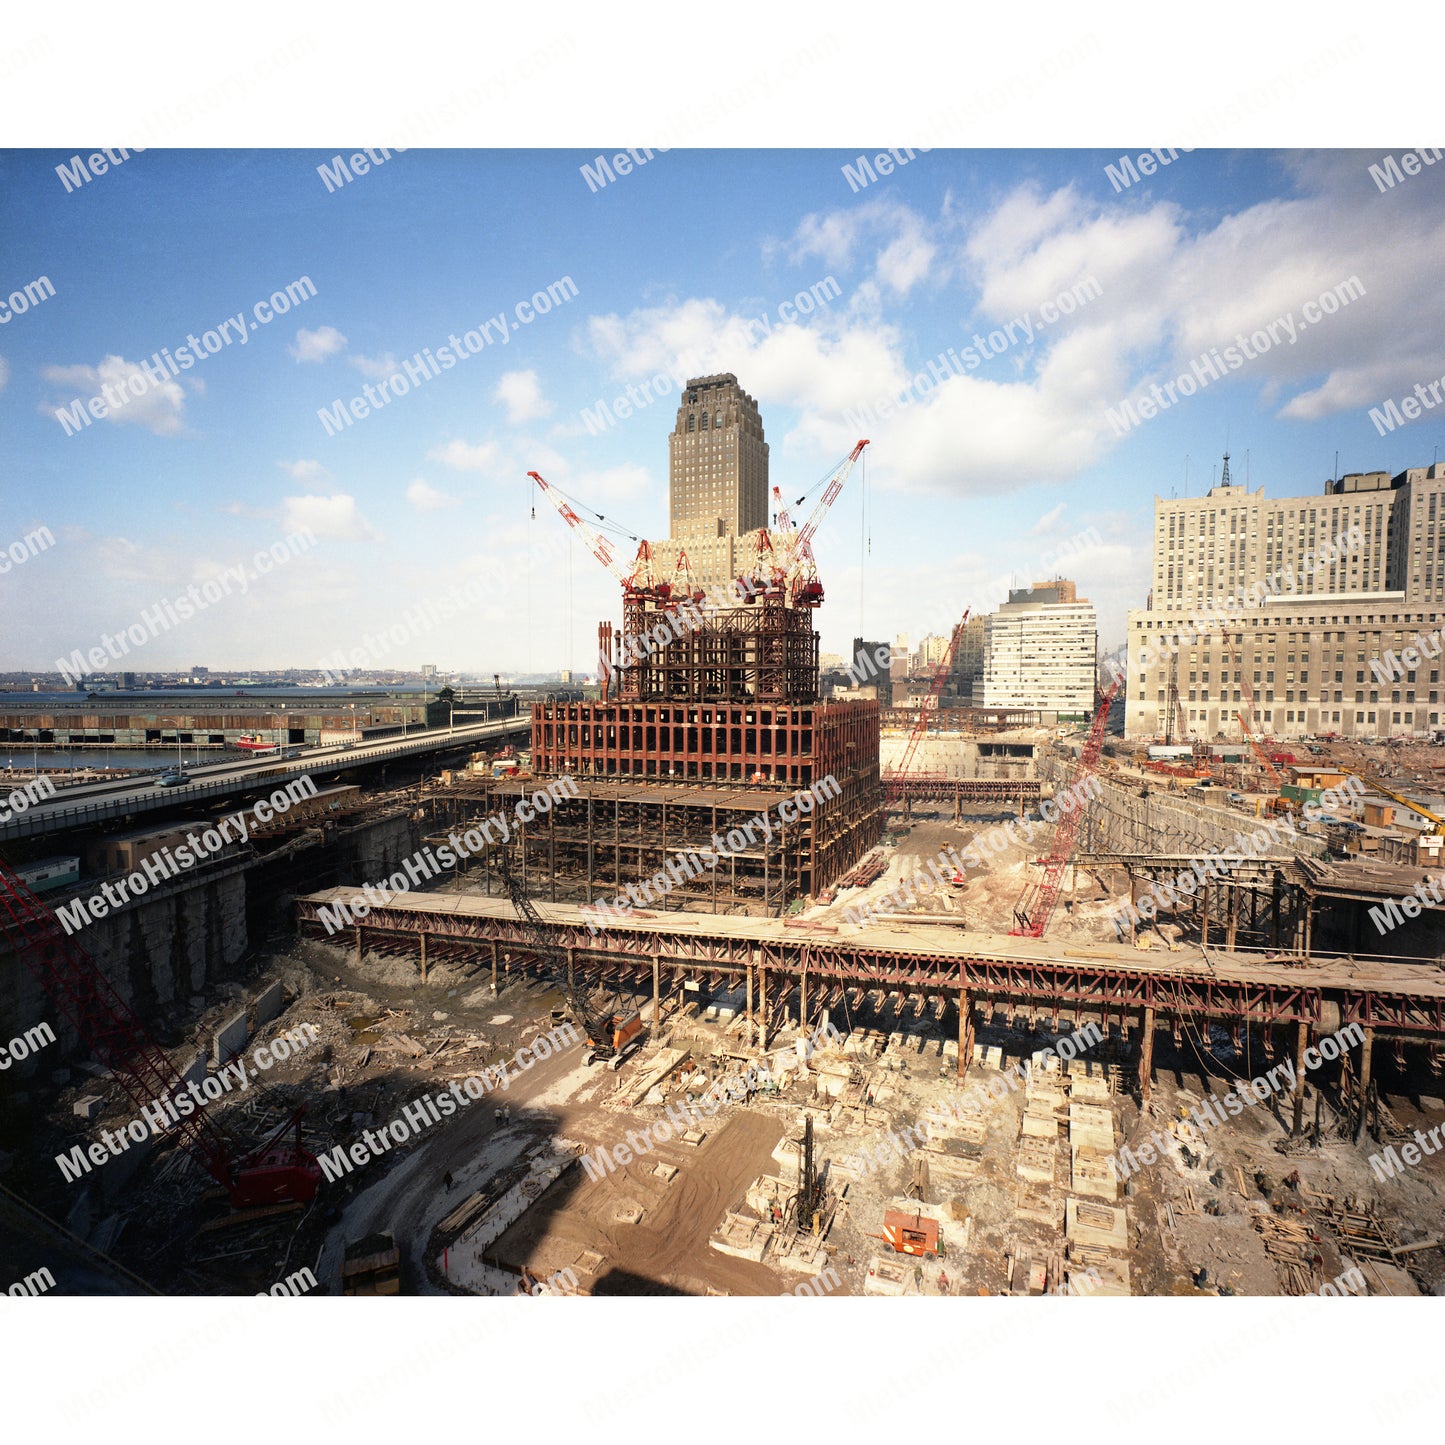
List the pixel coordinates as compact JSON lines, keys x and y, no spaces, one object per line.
{"x":1040,"y":651}
{"x":1300,"y":613}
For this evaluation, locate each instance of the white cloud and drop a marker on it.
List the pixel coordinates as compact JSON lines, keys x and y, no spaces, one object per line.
{"x":1046,"y":523}
{"x":336,"y":517}
{"x":464,"y":457}
{"x":426,"y":498}
{"x":317,"y":345}
{"x":374,"y":368}
{"x":307,"y":473}
{"x":907,"y":251}
{"x":1171,"y":286}
{"x":521,"y":393}
{"x":134,"y":395}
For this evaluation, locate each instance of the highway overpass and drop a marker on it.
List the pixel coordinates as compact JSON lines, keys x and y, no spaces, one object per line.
{"x":83,"y":804}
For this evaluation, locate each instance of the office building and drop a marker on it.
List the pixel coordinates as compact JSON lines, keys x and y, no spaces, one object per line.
{"x":1298,"y":609}
{"x":1040,"y":650}
{"x":717,"y":481}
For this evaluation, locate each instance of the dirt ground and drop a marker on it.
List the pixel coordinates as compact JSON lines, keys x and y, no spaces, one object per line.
{"x":667,"y":1250}
{"x":384,"y":1039}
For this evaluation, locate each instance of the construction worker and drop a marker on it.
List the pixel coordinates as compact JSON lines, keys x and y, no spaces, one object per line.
{"x":447,"y":1180}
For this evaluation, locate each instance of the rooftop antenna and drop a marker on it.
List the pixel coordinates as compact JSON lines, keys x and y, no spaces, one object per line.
{"x":1246,"y":466}
{"x":1224,"y":480}
{"x":1186,"y":476}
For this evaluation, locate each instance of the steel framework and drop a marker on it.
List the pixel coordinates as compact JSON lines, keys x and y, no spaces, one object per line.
{"x":1114,"y":985}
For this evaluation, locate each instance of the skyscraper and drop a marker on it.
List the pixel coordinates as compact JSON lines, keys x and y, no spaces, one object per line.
{"x":1297,"y":609}
{"x":717,"y":479}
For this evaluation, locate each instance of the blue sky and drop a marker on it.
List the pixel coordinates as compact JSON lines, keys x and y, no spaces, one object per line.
{"x":979,"y":477}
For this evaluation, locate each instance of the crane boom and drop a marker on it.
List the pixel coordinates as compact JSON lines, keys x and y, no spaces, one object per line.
{"x":1032,"y":915}
{"x":1436,"y":821}
{"x":639,"y":577}
{"x":895,"y":778}
{"x":805,"y":534}
{"x":268,"y":1174}
{"x":1246,"y":727}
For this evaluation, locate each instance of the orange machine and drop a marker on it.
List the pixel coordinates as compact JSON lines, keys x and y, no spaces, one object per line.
{"x":624,"y":1034}
{"x":910,"y":1233}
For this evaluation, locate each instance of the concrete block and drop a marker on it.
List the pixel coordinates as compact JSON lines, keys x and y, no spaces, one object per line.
{"x":887,"y":1276}
{"x":88,"y":1108}
{"x":231,"y":1038}
{"x":1036,"y":1161}
{"x":268,"y":1004}
{"x":1100,"y":1225}
{"x":1040,"y":1126}
{"x":195,"y":1071}
{"x":1092,"y":1175}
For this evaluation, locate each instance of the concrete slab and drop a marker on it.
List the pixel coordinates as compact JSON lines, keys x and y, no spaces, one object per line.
{"x":1036,"y":1161}
{"x":1091,"y":1175}
{"x":949,"y":1169}
{"x":1089,"y":1089}
{"x":1040,"y":1126}
{"x":1091,"y":1127}
{"x":742,"y":1237}
{"x":230,"y":1038}
{"x":269,"y":1003}
{"x":1110,"y":1279}
{"x":88,"y":1107}
{"x":887,"y":1277}
{"x":1041,"y":1204}
{"x":1101,"y":1226}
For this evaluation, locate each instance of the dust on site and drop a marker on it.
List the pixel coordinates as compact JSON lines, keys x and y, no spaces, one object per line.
{"x":759,"y":992}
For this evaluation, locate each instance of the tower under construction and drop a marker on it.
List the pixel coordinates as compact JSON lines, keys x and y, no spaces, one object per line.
{"x":709,"y":719}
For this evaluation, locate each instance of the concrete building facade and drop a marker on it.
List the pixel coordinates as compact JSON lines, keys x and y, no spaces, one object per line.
{"x":1298,"y":603}
{"x":1040,"y":651}
{"x":717,"y":481}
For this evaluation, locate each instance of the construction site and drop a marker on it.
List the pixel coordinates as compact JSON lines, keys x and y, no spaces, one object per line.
{"x":715,"y":987}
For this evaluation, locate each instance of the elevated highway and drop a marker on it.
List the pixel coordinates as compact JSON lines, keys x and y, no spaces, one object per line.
{"x":84,"y":804}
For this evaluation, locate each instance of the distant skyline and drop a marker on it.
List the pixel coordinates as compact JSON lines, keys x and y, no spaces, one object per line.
{"x":1036,"y":343}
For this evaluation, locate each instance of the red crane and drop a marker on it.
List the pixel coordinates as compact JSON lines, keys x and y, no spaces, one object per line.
{"x":894,"y":779}
{"x":641,"y":579}
{"x":1246,"y":726}
{"x":276,"y":1171}
{"x":1036,"y":907}
{"x":795,"y":564}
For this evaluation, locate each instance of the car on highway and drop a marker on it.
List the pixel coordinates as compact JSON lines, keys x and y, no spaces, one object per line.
{"x":173,"y":779}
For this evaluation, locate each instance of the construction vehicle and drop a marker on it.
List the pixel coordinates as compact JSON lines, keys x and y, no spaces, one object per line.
{"x":275,"y":1171}
{"x":1036,"y":906}
{"x":371,"y":1266}
{"x":910,"y":1234}
{"x":894,"y":779}
{"x":612,"y":1033}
